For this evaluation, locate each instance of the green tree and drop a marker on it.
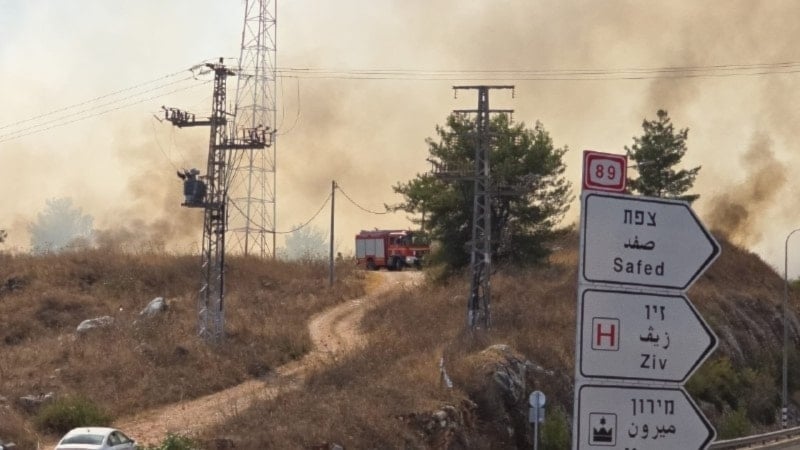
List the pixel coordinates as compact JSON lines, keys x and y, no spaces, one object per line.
{"x":307,"y":243}
{"x":655,"y":154}
{"x":60,"y":225}
{"x":530,"y":193}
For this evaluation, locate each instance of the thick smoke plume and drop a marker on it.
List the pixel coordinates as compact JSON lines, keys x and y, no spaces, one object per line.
{"x":370,"y":134}
{"x":737,"y":212}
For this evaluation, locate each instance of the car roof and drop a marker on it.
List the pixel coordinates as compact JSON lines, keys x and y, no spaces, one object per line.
{"x":90,"y":430}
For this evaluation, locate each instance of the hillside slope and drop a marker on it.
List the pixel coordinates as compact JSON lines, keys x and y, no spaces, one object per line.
{"x":138,"y":364}
{"x":390,"y":393}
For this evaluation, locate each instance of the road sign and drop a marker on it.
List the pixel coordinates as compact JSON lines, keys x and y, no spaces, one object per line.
{"x":643,"y":241}
{"x":627,"y":417}
{"x":638,"y":336}
{"x":604,"y":171}
{"x":537,"y":400}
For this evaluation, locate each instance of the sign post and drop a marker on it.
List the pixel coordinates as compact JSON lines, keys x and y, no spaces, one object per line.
{"x":604,"y":171}
{"x":636,"y":417}
{"x":641,"y":241}
{"x":638,"y":338}
{"x":536,"y":414}
{"x":641,"y":336}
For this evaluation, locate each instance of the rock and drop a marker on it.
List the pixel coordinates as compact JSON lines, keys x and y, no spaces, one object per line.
{"x":444,"y":428}
{"x":499,"y":386}
{"x":326,"y":446}
{"x":508,"y":370}
{"x":97,"y":322}
{"x":32,"y":403}
{"x":7,"y":445}
{"x":156,"y":306}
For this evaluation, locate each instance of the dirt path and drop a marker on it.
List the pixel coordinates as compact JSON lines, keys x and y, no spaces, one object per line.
{"x":333,"y":332}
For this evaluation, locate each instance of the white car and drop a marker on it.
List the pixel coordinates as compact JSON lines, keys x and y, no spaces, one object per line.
{"x":95,"y":438}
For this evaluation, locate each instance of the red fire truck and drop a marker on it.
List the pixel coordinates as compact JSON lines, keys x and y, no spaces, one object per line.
{"x":393,"y":249}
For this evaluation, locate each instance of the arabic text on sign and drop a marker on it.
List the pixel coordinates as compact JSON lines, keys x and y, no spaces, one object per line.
{"x":647,"y":432}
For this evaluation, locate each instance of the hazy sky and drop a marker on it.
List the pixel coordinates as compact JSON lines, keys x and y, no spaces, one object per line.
{"x":368,"y":134}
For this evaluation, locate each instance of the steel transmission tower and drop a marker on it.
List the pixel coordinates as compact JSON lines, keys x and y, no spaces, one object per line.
{"x":252,"y":200}
{"x":479,"y":300}
{"x":209,"y":192}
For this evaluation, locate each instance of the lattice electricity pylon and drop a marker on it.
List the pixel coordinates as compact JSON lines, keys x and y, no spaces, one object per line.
{"x":252,"y":192}
{"x":211,"y":195}
{"x":479,"y":301}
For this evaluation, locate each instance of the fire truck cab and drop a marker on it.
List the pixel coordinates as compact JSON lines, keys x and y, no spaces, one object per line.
{"x":392,"y":249}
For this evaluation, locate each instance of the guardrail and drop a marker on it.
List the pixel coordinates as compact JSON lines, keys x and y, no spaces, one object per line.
{"x":773,"y":437}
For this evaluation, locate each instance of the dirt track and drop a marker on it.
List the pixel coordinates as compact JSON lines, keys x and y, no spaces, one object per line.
{"x":333,"y":333}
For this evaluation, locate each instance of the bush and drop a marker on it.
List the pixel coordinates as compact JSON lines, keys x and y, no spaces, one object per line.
{"x":70,"y":412}
{"x":555,"y":431}
{"x":175,"y":442}
{"x":734,"y":424}
{"x":717,"y":382}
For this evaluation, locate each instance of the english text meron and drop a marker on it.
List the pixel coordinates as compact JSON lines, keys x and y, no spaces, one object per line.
{"x":638,"y":267}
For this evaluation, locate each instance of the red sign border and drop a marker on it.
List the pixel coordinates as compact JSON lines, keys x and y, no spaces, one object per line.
{"x":589,"y":155}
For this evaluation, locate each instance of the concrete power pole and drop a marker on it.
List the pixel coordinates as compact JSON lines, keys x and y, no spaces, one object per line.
{"x":252,"y":198}
{"x":209,"y":192}
{"x":479,"y":301}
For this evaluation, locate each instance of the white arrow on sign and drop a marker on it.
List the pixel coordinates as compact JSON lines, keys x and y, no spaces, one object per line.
{"x":637,"y":336}
{"x":627,"y":417}
{"x":643,"y":241}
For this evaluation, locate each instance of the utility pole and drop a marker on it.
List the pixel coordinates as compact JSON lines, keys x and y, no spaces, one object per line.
{"x":209,"y":192}
{"x":253,"y":199}
{"x":479,"y":301}
{"x":333,"y":203}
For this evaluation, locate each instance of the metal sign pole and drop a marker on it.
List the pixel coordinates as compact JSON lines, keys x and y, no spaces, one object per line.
{"x":537,"y":401}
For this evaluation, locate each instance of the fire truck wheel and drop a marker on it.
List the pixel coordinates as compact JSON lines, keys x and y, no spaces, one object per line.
{"x":371,"y":265}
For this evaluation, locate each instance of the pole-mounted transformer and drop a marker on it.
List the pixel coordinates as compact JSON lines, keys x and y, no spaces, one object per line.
{"x":209,"y":192}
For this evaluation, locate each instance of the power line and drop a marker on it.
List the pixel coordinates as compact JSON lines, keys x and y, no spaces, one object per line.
{"x":631,"y":73}
{"x":359,"y":206}
{"x":92,"y":108}
{"x":56,"y":124}
{"x":100,"y":97}
{"x":297,"y":116}
{"x":297,"y":228}
{"x":589,"y":74}
{"x":160,"y":147}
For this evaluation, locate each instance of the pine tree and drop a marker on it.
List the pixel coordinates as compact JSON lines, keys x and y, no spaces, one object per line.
{"x":655,"y":154}
{"x":527,"y":178}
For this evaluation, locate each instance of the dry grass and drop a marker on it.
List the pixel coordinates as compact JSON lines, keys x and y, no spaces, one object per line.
{"x":138,"y":364}
{"x":366,"y":399}
{"x":369,"y":399}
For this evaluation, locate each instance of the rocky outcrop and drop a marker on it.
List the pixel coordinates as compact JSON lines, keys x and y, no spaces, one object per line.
{"x":500,"y":384}
{"x":32,"y":403}
{"x":157,"y":306}
{"x":498,"y":381}
{"x":446,"y":428}
{"x":93,"y":324}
